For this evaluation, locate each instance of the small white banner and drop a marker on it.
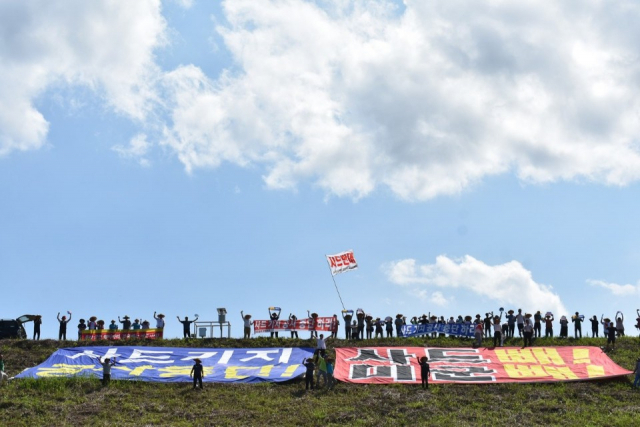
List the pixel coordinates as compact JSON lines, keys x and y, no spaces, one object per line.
{"x":344,"y":261}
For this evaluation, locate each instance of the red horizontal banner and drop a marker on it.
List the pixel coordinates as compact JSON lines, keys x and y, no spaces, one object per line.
{"x":386,"y":365}
{"x":320,"y":324}
{"x":106,"y":334}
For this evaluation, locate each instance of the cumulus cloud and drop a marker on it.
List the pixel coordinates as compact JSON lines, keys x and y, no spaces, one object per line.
{"x":616,"y":289}
{"x":105,"y":46}
{"x":509,"y":284}
{"x":355,"y":95}
{"x":137,"y":150}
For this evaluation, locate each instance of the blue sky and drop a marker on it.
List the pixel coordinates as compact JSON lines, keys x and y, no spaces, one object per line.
{"x":189,"y":155}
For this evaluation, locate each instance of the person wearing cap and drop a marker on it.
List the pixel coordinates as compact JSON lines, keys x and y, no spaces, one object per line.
{"x":106,"y":370}
{"x":126,"y":323}
{"x":577,"y":324}
{"x":62,"y":332}
{"x":247,"y":324}
{"x":159,"y":320}
{"x":197,"y":373}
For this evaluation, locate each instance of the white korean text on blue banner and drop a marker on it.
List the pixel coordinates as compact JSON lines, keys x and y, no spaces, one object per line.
{"x":172,"y":364}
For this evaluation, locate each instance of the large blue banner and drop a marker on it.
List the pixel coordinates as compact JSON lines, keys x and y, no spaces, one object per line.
{"x":458,"y":329}
{"x":172,"y":364}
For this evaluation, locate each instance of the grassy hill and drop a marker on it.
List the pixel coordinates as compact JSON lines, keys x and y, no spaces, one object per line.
{"x":81,"y":401}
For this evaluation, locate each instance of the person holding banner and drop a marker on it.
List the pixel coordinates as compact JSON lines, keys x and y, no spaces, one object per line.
{"x":347,"y":315}
{"x":135,"y":325}
{"x":247,"y":324}
{"x":313,"y":317}
{"x":292,"y":325}
{"x":274,"y":316}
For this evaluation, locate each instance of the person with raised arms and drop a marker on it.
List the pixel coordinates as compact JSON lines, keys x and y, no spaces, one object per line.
{"x":126,"y":323}
{"x":62,"y":332}
{"x":246,"y":319}
{"x":292,"y":325}
{"x":186,"y":326}
{"x":594,"y":326}
{"x":347,"y":315}
{"x":159,"y":320}
{"x":425,"y":371}
{"x":619,"y":324}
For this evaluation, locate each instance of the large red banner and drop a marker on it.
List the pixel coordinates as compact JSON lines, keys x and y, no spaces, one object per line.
{"x":386,"y":365}
{"x":320,"y":324}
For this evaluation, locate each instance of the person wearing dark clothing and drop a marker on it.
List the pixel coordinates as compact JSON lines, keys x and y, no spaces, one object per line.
{"x":594,"y":326}
{"x":126,"y":323}
{"x":36,"y":327}
{"x":62,"y":333}
{"x":186,"y":326}
{"x":197,"y":373}
{"x":577,"y":320}
{"x":347,"y":315}
{"x":274,"y":316}
{"x":292,"y":325}
{"x":360,"y":316}
{"x":548,"y":326}
{"x":527,"y":330}
{"x":399,"y":322}
{"x":388,"y":322}
{"x":308,"y":377}
{"x":487,"y":325}
{"x":611,"y":335}
{"x":424,"y":371}
{"x":537,"y":324}
{"x":81,"y":327}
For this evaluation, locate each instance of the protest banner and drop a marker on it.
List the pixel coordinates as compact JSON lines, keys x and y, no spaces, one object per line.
{"x":319,"y":324}
{"x":457,"y":329}
{"x":386,"y":365}
{"x":106,"y":334}
{"x":172,"y":364}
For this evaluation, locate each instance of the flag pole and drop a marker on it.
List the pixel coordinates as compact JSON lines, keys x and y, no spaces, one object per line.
{"x":334,"y":283}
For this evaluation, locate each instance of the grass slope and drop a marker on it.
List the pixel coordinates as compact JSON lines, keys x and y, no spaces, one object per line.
{"x":81,"y":401}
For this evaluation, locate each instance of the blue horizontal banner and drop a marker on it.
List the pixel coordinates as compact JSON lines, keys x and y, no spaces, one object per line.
{"x":458,"y":329}
{"x":173,"y":364}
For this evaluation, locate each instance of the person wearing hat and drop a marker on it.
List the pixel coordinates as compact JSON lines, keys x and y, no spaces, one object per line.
{"x":136,"y":324}
{"x":62,"y":332}
{"x":92,"y":325}
{"x":36,"y":327}
{"x":113,"y":326}
{"x":388,"y":323}
{"x":311,"y":367}
{"x":577,"y":324}
{"x":159,"y":320}
{"x":197,"y":373}
{"x":425,"y":372}
{"x":247,"y":324}
{"x":126,"y":323}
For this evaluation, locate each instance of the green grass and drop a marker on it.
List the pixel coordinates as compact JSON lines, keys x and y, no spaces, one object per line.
{"x":83,"y":401}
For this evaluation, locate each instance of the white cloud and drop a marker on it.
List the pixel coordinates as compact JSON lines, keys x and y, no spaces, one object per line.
{"x":616,"y":289}
{"x":137,"y":149}
{"x":510,"y":284}
{"x":105,"y":46}
{"x":427,"y":102}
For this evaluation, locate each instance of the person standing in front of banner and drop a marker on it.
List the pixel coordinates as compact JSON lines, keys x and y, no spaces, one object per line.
{"x":62,"y":332}
{"x":126,"y":323}
{"x":335,"y":324}
{"x":197,"y":373}
{"x":292,"y":325}
{"x":36,"y":327}
{"x":159,"y":320}
{"x":81,"y":327}
{"x":308,"y":376}
{"x":247,"y":324}
{"x":313,"y":323}
{"x":106,"y":370}
{"x":360,"y":316}
{"x":425,"y":371}
{"x":497,"y":331}
{"x":399,"y":323}
{"x":322,"y":370}
{"x":274,"y":316}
